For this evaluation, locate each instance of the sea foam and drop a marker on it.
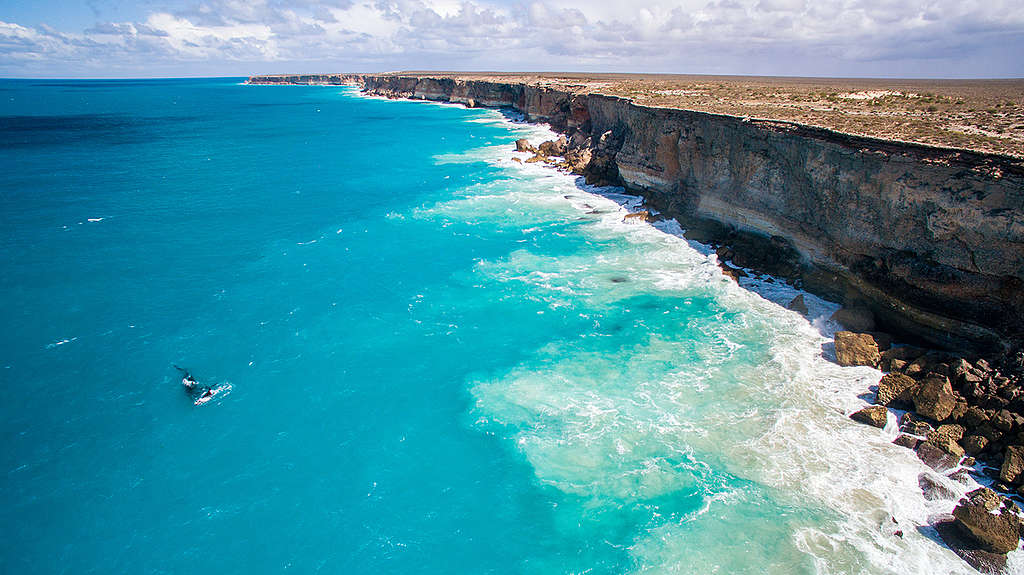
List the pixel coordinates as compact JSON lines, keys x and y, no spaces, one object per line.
{"x":704,"y":412}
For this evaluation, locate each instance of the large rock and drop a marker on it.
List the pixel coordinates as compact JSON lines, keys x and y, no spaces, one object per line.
{"x":1003,"y":420}
{"x":640,"y":216}
{"x":1012,"y":471}
{"x":985,"y":497}
{"x":959,"y":410}
{"x":934,"y":398}
{"x":856,"y":349}
{"x":975,"y":444}
{"x":918,"y":367}
{"x":936,"y":458}
{"x":960,"y":368}
{"x":998,"y":533}
{"x":911,"y":423}
{"x":961,"y":476}
{"x":975,"y":417}
{"x":949,"y":446}
{"x":895,"y":390}
{"x":855,"y":318}
{"x":964,"y":545}
{"x":908,"y":441}
{"x":948,"y":432}
{"x":933,"y":488}
{"x":524,"y":145}
{"x":875,"y":415}
{"x":798,"y":305}
{"x":553,"y":147}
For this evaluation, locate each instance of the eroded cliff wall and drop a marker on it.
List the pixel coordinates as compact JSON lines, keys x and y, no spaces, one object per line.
{"x":932,"y":240}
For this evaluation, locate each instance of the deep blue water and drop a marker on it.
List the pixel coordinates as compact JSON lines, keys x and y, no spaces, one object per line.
{"x":439,"y":362}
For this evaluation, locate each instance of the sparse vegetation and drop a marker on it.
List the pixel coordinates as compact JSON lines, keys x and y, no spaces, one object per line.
{"x":982,"y":115}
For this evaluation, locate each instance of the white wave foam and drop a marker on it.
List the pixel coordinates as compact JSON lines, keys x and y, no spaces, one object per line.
{"x":714,"y":392}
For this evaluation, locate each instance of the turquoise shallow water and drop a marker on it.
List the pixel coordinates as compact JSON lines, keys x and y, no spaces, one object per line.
{"x":439,"y":361}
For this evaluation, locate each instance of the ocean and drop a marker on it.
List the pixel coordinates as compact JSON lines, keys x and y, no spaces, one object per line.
{"x":433,"y":359}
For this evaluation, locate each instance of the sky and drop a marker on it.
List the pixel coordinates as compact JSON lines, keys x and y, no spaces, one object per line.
{"x":837,"y":38}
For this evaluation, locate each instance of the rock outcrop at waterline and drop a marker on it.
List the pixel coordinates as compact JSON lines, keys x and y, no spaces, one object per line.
{"x":967,"y":419}
{"x":931,"y":240}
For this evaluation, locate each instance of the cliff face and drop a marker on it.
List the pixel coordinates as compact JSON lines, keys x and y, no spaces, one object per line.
{"x":932,"y":240}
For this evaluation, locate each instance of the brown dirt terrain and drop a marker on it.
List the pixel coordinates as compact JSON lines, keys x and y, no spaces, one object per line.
{"x":981,"y":115}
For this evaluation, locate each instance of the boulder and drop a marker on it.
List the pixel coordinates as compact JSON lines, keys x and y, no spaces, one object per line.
{"x":938,"y":369}
{"x":911,"y":423}
{"x":975,"y":417}
{"x":875,"y":415}
{"x":934,"y":398}
{"x":855,"y":318}
{"x":998,"y":533}
{"x":523,"y":145}
{"x":895,"y":390}
{"x":958,"y":410}
{"x":798,"y":305}
{"x":577,"y":159}
{"x":936,"y":458}
{"x":986,"y":498}
{"x":640,"y":216}
{"x":961,"y":476}
{"x":1003,"y":420}
{"x":967,"y":548}
{"x":554,"y":147}
{"x":989,"y":432}
{"x":729,"y":271}
{"x":856,"y":349}
{"x":892,"y":365}
{"x":948,"y":432}
{"x":1012,"y":470}
{"x":960,"y":367}
{"x":973,"y":376}
{"x":908,"y":441}
{"x":918,"y":367}
{"x":949,"y":446}
{"x":932,"y":487}
{"x":975,"y":444}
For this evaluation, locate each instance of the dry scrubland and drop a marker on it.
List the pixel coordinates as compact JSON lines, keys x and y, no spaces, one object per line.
{"x":982,"y":115}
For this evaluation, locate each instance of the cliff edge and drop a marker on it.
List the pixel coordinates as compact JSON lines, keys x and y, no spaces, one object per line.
{"x":929,"y":239}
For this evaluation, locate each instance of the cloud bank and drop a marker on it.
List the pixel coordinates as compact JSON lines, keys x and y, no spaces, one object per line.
{"x":939,"y":38}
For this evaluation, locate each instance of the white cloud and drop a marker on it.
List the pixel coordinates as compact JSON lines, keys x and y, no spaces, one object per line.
{"x":837,"y":37}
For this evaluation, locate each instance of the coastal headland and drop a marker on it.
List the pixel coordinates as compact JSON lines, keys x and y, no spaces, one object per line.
{"x":918,"y":240}
{"x":929,"y":238}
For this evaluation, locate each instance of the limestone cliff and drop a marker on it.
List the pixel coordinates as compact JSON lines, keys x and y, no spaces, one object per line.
{"x":931,"y":239}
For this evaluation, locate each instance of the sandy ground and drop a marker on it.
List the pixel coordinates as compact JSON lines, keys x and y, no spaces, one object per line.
{"x":982,"y":115}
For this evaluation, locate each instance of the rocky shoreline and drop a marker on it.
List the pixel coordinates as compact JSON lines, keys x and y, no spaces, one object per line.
{"x":931,"y":240}
{"x":961,"y":411}
{"x":961,"y":415}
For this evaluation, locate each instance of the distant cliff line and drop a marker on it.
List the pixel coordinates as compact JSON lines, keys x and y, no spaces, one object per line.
{"x":930,"y":239}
